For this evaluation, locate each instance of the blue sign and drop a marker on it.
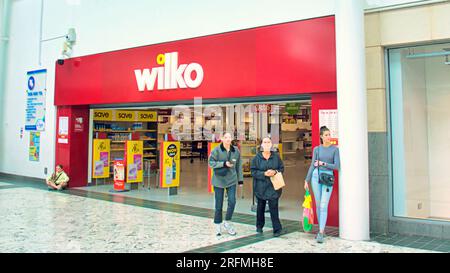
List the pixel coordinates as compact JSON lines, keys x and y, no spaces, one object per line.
{"x":35,"y":111}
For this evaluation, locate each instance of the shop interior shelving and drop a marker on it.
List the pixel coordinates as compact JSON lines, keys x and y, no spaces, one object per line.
{"x":296,"y":134}
{"x":186,"y":140}
{"x":121,"y":131}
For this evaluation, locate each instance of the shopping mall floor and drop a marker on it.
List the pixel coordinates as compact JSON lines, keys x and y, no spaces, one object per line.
{"x":193,"y":189}
{"x":36,"y":220}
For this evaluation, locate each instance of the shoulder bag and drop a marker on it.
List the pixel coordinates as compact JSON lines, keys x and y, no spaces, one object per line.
{"x":55,"y":178}
{"x":324,"y":178}
{"x":277,"y":181}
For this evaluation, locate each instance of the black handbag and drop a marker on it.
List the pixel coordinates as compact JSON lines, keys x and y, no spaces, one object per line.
{"x":324,"y":178}
{"x":223,"y":171}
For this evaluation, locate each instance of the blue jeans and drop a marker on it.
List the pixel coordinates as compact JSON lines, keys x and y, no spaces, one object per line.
{"x":218,"y":193}
{"x":322,"y":196}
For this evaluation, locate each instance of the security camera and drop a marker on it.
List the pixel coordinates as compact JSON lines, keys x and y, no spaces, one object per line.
{"x":71,"y":36}
{"x":60,"y":61}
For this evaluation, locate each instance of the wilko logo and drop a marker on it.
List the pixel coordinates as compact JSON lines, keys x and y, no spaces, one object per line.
{"x":169,"y":76}
{"x":78,"y":125}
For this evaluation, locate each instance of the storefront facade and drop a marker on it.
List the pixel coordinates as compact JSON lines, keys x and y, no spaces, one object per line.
{"x":246,"y":70}
{"x":272,"y":63}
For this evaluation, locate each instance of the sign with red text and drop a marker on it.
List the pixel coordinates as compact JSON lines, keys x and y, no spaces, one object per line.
{"x":119,"y":175}
{"x":63,"y":130}
{"x":329,"y":118}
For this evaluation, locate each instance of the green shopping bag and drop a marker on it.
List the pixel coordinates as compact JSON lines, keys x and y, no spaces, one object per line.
{"x":308,"y":212}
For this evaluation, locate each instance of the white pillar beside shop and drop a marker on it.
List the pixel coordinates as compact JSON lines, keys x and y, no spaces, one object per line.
{"x":352,"y":118}
{"x":5,"y":15}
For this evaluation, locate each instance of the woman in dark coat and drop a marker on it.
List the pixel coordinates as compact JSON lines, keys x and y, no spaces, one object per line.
{"x":265,"y":165}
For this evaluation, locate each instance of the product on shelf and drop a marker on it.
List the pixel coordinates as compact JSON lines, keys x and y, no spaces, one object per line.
{"x":121,"y":131}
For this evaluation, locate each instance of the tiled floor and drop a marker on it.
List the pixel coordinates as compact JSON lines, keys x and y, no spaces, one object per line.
{"x":421,"y":242}
{"x":193,"y":190}
{"x":37,"y":220}
{"x":300,"y":242}
{"x":47,"y":221}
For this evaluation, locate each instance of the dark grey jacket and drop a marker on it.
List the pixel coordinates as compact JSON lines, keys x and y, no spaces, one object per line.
{"x":218,"y":158}
{"x":262,"y":185}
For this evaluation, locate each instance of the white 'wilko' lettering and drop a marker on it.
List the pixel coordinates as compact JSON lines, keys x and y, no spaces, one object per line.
{"x":170,"y":76}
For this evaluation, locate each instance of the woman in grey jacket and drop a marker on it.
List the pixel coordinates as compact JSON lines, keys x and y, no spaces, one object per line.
{"x":325,"y":157}
{"x":225,"y":160}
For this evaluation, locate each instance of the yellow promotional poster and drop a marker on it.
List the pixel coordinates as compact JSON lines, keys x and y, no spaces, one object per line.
{"x":100,"y":162}
{"x":211,"y":147}
{"x":125,"y":115}
{"x":134,"y":156}
{"x":147,"y":116}
{"x":103,"y":115}
{"x":170,"y":164}
{"x":280,"y":150}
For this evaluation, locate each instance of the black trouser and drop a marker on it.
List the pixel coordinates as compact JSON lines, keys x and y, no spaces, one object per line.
{"x":273,"y":207}
{"x":219,"y":195}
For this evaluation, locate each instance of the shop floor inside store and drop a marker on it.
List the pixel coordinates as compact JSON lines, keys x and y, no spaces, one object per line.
{"x":193,"y":190}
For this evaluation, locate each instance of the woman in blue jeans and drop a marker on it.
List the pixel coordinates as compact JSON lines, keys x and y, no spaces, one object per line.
{"x":325,"y":157}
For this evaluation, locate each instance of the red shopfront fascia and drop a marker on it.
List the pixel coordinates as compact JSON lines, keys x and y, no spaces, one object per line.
{"x":295,"y":58}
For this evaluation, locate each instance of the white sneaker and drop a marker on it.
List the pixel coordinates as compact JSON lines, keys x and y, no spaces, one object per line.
{"x":218,"y":229}
{"x":229,"y":228}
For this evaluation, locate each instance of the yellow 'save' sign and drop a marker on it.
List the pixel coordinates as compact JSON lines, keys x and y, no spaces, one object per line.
{"x":125,"y":116}
{"x":120,"y":115}
{"x":103,"y":115}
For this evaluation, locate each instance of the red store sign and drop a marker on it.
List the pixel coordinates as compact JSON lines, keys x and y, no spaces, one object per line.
{"x":283,"y":59}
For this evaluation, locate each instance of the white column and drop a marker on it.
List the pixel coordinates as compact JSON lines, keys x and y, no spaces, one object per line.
{"x":352,"y":115}
{"x":5,"y":14}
